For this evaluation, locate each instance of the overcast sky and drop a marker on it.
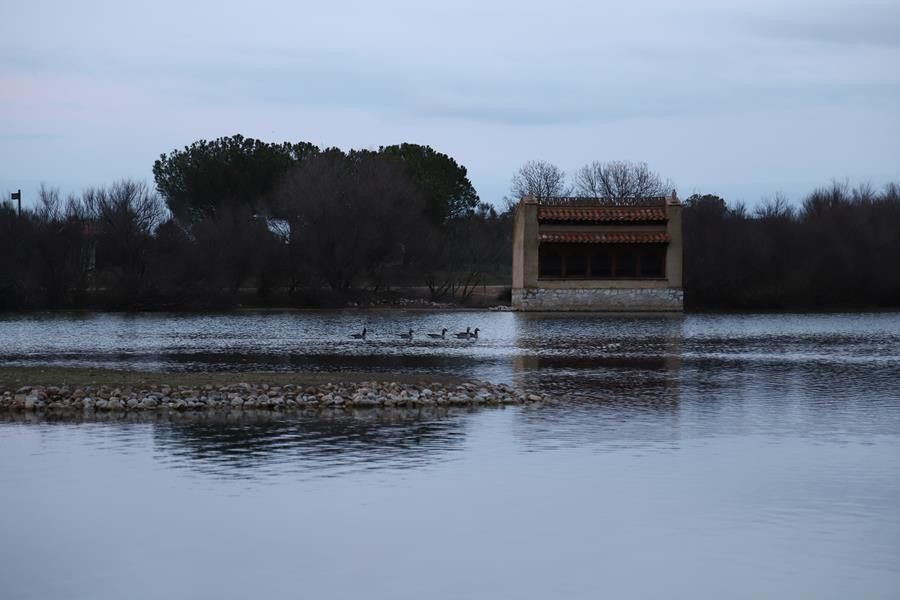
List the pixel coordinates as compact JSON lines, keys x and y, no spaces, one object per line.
{"x":743,"y":99}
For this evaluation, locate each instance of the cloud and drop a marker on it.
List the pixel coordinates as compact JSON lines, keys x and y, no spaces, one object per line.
{"x":864,"y":23}
{"x":617,"y":64}
{"x":681,"y":82}
{"x":532,"y":85}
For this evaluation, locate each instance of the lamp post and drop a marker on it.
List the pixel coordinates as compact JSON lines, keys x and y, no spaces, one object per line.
{"x":17,"y":196}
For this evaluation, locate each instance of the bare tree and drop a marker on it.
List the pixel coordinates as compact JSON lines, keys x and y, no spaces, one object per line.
{"x":128,"y":208}
{"x":540,"y":179}
{"x":776,"y":207}
{"x":122,"y":221}
{"x":619,"y":180}
{"x":49,"y":205}
{"x":58,"y":248}
{"x":458,"y":258}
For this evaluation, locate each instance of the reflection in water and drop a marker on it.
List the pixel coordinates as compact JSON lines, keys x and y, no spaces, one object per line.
{"x":622,"y":375}
{"x":267,"y":443}
{"x":330,"y":443}
{"x":632,"y":380}
{"x":739,"y":456}
{"x":606,"y":399}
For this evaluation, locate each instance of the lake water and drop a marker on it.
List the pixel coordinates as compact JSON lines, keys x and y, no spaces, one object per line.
{"x":703,"y":456}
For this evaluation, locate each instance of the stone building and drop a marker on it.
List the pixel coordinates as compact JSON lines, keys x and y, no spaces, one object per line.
{"x":593,"y":254}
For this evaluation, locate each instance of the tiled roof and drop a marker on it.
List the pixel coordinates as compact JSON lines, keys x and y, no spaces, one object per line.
{"x":594,"y":214}
{"x":606,"y":237}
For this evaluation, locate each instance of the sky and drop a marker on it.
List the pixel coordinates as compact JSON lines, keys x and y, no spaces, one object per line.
{"x":743,"y":99}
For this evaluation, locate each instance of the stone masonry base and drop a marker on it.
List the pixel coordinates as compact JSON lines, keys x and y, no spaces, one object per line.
{"x":598,"y":299}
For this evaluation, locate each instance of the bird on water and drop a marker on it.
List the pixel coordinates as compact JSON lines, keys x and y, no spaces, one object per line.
{"x":474,"y":334}
{"x":406,"y":336}
{"x":463,"y":335}
{"x":438,"y":336}
{"x":359,"y":336}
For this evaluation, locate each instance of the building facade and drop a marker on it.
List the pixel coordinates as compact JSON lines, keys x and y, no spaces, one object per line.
{"x":578,"y":254}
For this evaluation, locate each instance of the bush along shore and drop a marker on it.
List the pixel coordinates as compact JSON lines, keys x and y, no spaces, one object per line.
{"x":255,"y":397}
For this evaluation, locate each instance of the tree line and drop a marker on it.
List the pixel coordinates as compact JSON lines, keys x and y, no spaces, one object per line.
{"x":241,"y":221}
{"x":839,"y":249}
{"x":236,"y":220}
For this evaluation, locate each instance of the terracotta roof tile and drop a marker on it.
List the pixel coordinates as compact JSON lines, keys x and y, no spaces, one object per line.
{"x":606,"y":237}
{"x":606,"y":214}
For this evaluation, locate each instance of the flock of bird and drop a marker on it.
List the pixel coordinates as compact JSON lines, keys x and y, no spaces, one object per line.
{"x":468,"y":334}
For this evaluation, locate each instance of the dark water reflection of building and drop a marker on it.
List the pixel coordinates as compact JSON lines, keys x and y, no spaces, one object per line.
{"x":620,"y":374}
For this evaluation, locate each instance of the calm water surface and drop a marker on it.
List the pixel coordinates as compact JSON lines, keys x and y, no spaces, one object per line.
{"x":738,"y":456}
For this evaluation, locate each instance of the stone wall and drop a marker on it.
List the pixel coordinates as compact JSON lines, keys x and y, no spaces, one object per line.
{"x":599,"y":299}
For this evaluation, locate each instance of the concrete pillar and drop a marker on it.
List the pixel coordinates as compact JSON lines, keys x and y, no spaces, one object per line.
{"x":530,"y":241}
{"x":525,"y":242}
{"x":674,"y":252}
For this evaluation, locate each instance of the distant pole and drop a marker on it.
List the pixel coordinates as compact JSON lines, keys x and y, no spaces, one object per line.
{"x":17,"y":196}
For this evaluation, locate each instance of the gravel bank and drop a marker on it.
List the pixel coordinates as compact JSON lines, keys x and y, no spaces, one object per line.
{"x":261,"y":396}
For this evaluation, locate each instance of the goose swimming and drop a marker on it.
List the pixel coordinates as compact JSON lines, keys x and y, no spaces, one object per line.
{"x":438,"y":336}
{"x":359,"y":336}
{"x":474,"y":334}
{"x":406,"y":336}
{"x":463,"y":335}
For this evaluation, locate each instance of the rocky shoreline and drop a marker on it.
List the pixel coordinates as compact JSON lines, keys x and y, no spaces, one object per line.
{"x":262,"y":397}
